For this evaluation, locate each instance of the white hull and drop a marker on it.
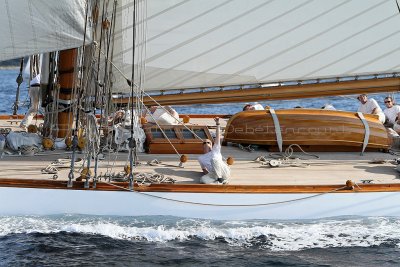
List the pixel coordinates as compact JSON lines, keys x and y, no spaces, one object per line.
{"x":30,"y":201}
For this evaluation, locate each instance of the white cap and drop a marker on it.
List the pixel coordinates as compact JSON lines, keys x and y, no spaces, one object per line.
{"x":328,"y":107}
{"x":36,"y":80}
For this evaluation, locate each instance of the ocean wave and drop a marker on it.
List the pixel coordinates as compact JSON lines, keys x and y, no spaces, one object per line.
{"x":277,"y":236}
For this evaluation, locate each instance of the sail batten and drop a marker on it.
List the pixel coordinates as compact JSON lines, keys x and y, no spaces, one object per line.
{"x":193,"y":44}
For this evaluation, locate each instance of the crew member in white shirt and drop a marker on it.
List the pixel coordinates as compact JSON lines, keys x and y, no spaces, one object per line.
{"x":254,"y":106}
{"x":370,"y":106}
{"x":215,"y":170}
{"x":165,"y":115}
{"x":392,"y":113}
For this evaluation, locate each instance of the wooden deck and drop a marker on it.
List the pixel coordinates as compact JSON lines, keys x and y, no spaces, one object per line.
{"x":329,"y":169}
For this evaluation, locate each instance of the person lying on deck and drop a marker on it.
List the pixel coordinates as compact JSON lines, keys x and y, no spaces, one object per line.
{"x":165,"y":115}
{"x":254,"y":106}
{"x":392,"y":113}
{"x":370,"y":106}
{"x":328,"y":107}
{"x":213,"y":166}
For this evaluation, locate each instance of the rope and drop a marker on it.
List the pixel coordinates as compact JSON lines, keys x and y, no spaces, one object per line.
{"x":233,"y":205}
{"x":394,"y":152}
{"x":40,"y":154}
{"x":143,"y":178}
{"x":154,"y":162}
{"x":54,"y":111}
{"x":50,"y":169}
{"x":288,"y":154}
{"x":107,"y":84}
{"x":117,"y":186}
{"x":28,"y":150}
{"x":65,"y":163}
{"x":140,"y":178}
{"x":78,"y":102}
{"x":248,"y":148}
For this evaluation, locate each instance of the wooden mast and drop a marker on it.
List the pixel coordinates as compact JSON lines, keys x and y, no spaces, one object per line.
{"x":66,"y":80}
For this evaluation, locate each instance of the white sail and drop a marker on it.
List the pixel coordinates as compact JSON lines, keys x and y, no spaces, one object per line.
{"x":205,"y":43}
{"x":37,"y":26}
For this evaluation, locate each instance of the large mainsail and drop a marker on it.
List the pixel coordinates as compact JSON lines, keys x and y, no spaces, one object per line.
{"x":192,"y":44}
{"x":37,"y":26}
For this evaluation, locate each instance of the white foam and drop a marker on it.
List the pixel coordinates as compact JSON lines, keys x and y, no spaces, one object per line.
{"x":274,"y":236}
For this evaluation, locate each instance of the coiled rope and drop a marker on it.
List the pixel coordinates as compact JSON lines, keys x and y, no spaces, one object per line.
{"x":145,"y":178}
{"x":28,"y":150}
{"x":288,"y":153}
{"x":140,"y":178}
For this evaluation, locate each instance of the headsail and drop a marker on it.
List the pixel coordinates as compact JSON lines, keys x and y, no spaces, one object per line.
{"x":33,"y":27}
{"x":193,"y":44}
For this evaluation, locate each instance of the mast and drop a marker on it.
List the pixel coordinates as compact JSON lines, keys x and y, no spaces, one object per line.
{"x":67,"y":72}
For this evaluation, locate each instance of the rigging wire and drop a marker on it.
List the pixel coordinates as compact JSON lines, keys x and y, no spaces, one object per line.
{"x":142,"y":45}
{"x":132,"y":144}
{"x":75,"y":138}
{"x":105,"y":28}
{"x":108,"y":109}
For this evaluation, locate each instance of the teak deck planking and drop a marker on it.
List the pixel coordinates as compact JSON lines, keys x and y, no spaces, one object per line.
{"x":328,"y":173}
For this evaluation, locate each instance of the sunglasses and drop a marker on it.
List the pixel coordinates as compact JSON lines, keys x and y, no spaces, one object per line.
{"x":388,"y":102}
{"x":207,"y":143}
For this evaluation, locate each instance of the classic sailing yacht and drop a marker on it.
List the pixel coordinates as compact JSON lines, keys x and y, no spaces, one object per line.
{"x":165,"y":52}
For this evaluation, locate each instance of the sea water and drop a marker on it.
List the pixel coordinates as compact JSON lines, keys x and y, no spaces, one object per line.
{"x":80,"y":240}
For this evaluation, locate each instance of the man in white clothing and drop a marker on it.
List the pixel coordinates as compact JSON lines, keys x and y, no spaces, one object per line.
{"x":328,"y":107}
{"x":254,"y":106}
{"x":392,"y":113}
{"x":370,"y":106}
{"x":214,"y":168}
{"x":162,"y":115}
